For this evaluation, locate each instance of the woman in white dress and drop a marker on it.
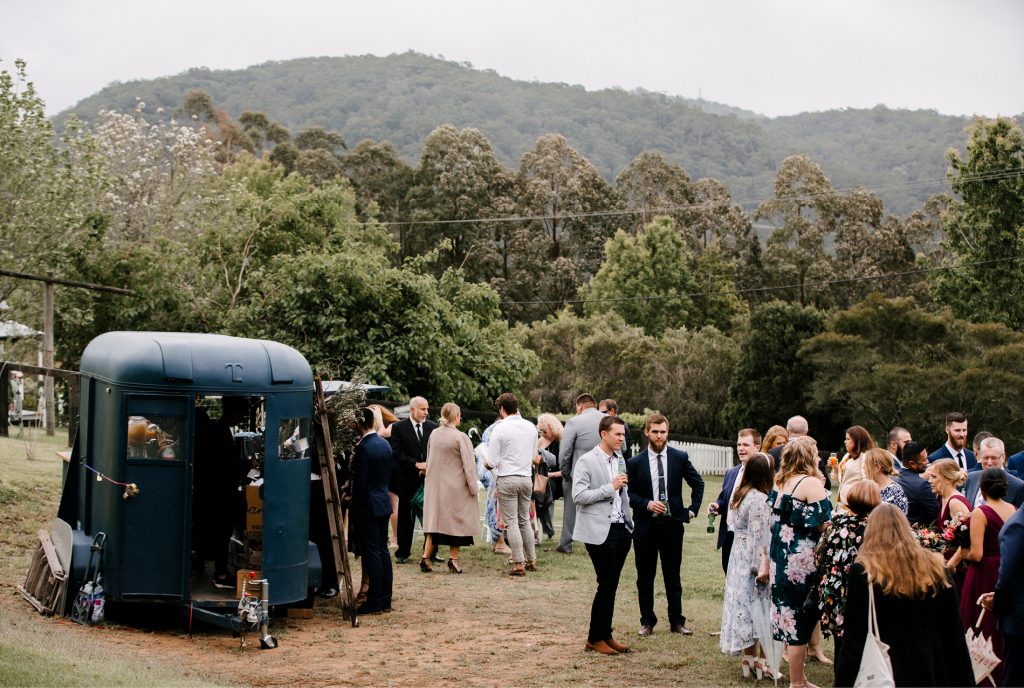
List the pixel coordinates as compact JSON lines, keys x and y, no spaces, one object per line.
{"x":747,"y":577}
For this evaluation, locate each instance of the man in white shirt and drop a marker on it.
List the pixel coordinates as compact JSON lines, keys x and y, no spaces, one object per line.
{"x":511,"y":449}
{"x":992,"y":454}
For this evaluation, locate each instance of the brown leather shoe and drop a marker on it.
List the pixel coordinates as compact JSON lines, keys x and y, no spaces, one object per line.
{"x":530,"y":566}
{"x":600,"y":647}
{"x":517,"y":570}
{"x":646,"y":631}
{"x":680,"y":628}
{"x":616,"y":645}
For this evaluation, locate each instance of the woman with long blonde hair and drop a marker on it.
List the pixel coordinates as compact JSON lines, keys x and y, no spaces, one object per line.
{"x":945,"y":477}
{"x":879,"y":468}
{"x":801,"y":508}
{"x":915,"y":604}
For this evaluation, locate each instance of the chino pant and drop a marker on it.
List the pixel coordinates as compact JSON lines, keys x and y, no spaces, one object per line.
{"x":607,"y":558}
{"x":664,"y":539}
{"x":514,"y":495}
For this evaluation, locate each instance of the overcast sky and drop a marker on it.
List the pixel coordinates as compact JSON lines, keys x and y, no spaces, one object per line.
{"x":775,"y":57}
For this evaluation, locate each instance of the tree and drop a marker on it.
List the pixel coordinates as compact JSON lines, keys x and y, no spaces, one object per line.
{"x":459,"y":183}
{"x":48,"y":193}
{"x":647,"y":279}
{"x":985,"y":229}
{"x":801,"y":205}
{"x":769,"y":383}
{"x":382,"y":181}
{"x":650,"y":186}
{"x":887,"y":362}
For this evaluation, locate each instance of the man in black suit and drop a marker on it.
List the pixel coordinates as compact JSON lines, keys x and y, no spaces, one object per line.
{"x":371,"y":513}
{"x":409,"y":444}
{"x":656,"y":478}
{"x":923,"y":503}
{"x":956,"y":443}
{"x":993,"y":455}
{"x":797,"y":427}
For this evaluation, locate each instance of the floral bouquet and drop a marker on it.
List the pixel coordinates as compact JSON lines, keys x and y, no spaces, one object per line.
{"x":958,"y":531}
{"x":929,"y":539}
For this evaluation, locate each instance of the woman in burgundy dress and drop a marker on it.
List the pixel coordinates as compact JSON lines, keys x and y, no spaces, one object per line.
{"x":983,"y":557}
{"x":945,"y":477}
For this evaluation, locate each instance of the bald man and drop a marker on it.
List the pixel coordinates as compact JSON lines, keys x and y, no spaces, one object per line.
{"x":409,"y":447}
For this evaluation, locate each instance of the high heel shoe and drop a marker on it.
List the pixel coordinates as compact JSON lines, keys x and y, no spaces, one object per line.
{"x":762,"y":670}
{"x":746,"y":665}
{"x":453,"y":566}
{"x":425,"y":565}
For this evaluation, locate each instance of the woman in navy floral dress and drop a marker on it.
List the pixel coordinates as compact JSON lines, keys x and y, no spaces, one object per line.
{"x":836,"y":551}
{"x":800,"y":510}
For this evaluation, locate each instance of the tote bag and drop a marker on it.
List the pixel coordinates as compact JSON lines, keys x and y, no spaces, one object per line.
{"x":875,"y":666}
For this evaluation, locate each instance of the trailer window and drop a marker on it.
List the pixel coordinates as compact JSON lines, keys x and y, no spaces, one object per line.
{"x":293,"y":436}
{"x":155,"y":437}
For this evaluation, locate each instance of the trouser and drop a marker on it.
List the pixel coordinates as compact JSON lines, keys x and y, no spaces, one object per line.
{"x":373,"y":541}
{"x":664,"y":539}
{"x":544,"y":516}
{"x":568,"y":519}
{"x":1013,"y":659}
{"x":726,"y":550}
{"x":607,"y":558}
{"x":320,"y":534}
{"x":514,"y":495}
{"x":406,"y":524}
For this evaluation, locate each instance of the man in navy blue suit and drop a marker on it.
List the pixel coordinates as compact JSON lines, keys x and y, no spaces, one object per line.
{"x":992,"y":454}
{"x":371,"y":513}
{"x":656,"y":478}
{"x":747,"y":444}
{"x":956,"y":443}
{"x":922,"y":502}
{"x":1008,"y":598}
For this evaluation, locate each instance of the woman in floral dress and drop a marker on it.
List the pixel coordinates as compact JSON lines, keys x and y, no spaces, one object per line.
{"x":835,"y":553}
{"x":879,"y":467}
{"x":800,"y":510}
{"x":749,"y":520}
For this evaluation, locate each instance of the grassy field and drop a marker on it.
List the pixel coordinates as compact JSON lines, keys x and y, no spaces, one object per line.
{"x":481,"y":628}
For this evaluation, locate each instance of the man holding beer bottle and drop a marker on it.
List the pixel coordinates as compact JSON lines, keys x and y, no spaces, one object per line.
{"x":656,"y":478}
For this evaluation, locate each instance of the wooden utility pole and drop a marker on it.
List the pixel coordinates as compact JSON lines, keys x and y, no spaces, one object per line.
{"x":49,"y":403}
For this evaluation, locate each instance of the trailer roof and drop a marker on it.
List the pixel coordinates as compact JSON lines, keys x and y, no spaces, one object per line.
{"x":191,"y":360}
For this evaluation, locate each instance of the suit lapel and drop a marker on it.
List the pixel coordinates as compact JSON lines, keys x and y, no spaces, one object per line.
{"x":645,"y":474}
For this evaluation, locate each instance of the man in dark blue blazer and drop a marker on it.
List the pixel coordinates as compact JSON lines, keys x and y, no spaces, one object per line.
{"x":371,"y":513}
{"x":956,"y":443}
{"x":922,"y":502}
{"x":656,"y":478}
{"x":747,"y":444}
{"x":993,"y":455}
{"x":1008,"y":598}
{"x":1015,"y":464}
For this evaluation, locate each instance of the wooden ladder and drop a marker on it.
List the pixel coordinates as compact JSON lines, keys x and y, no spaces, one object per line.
{"x":332,"y":497}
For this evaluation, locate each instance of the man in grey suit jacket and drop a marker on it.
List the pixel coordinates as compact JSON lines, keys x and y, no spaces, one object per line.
{"x":993,"y":455}
{"x":604,"y":523}
{"x":579,"y":436}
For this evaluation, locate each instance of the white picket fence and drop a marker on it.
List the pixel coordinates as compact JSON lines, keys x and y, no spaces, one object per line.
{"x":708,"y":459}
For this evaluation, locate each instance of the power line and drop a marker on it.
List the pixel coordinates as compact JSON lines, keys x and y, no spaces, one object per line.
{"x":755,"y":290}
{"x":993,"y":175}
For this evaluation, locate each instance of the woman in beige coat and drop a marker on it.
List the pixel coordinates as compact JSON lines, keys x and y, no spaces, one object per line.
{"x":450,"y":512}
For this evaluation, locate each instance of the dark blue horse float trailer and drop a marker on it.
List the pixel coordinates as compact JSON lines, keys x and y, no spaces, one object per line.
{"x":157,"y":483}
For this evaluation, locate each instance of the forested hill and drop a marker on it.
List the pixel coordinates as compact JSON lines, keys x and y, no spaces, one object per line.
{"x":402,"y":98}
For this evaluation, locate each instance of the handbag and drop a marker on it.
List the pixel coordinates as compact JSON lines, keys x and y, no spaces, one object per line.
{"x":875,"y":666}
{"x":983,"y":659}
{"x":417,"y":500}
{"x":540,"y":483}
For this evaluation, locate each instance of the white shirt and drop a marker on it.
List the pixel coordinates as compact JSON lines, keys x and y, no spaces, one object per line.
{"x":653,"y":459}
{"x":512,"y":446}
{"x":953,"y":453}
{"x":612,"y":462}
{"x":979,"y":499}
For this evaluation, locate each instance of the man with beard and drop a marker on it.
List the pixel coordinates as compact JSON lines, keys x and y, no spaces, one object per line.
{"x":956,"y":444}
{"x":656,"y":478}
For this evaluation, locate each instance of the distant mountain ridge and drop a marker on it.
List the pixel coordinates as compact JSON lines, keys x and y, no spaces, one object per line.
{"x":402,"y":98}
